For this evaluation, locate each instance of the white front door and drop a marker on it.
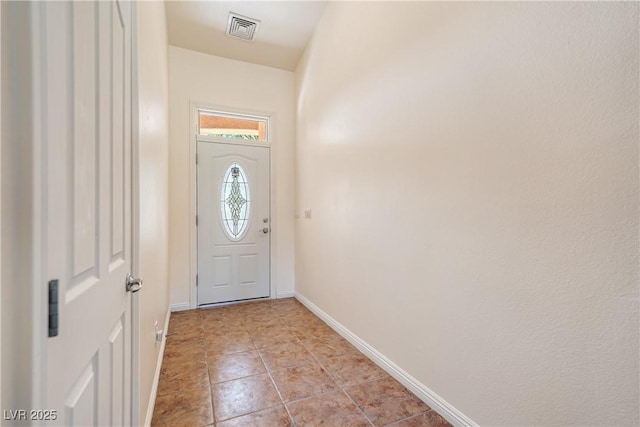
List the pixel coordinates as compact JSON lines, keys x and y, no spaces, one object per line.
{"x":87,"y":116}
{"x":233,"y":222}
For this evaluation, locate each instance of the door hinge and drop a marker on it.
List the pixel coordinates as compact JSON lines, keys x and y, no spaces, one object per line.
{"x":53,"y":308}
{"x":196,"y":158}
{"x":196,"y":220}
{"x":196,"y":280}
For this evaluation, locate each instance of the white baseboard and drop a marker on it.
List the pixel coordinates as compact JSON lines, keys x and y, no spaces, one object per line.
{"x":156,"y":377}
{"x":181,"y":306}
{"x":437,"y":403}
{"x":287,"y":294}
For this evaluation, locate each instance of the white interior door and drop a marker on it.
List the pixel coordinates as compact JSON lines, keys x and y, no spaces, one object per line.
{"x":87,"y":114}
{"x":233,"y":222}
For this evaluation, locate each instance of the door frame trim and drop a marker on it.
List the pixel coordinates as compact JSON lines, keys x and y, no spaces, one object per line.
{"x":135,"y":220}
{"x":194,"y":106}
{"x":39,"y":296}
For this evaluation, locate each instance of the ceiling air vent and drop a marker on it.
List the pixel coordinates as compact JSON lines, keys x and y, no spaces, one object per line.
{"x":241,"y":27}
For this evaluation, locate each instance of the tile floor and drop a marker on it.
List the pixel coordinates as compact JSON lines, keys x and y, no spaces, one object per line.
{"x":274,"y":363}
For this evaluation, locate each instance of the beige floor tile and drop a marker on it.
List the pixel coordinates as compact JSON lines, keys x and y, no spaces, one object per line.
{"x":285,"y":355}
{"x":184,"y":408}
{"x":214,"y":330}
{"x":351,"y":369}
{"x":179,"y":335}
{"x":329,"y":346}
{"x":233,"y":366}
{"x":230,"y":343}
{"x":272,"y":337}
{"x":313,"y":329}
{"x":329,"y":409}
{"x":183,"y":376}
{"x":385,"y":401}
{"x":239,"y":397}
{"x":183,"y":351}
{"x":301,"y":382}
{"x":274,"y":417}
{"x":428,"y":419}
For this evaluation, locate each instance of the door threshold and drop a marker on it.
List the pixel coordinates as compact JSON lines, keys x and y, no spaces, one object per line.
{"x":234,"y":302}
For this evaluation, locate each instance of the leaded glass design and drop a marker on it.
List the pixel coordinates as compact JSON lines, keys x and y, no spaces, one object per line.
{"x":235,"y":201}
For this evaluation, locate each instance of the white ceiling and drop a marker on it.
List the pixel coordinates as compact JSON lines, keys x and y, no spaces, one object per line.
{"x":285,"y":29}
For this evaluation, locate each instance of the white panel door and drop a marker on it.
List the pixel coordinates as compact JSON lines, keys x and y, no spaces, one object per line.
{"x":87,"y":115}
{"x":233,"y":222}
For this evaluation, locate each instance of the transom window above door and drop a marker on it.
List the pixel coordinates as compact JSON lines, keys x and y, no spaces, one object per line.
{"x":233,"y":126}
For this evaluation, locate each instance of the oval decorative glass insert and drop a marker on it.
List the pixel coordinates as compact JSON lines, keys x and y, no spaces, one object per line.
{"x":235,"y":201}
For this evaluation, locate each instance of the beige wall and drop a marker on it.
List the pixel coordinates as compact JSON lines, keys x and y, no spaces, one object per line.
{"x":153,"y":94}
{"x":473,"y":174}
{"x":211,"y":80}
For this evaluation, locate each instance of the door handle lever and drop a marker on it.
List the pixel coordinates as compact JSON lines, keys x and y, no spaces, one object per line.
{"x":133,"y":284}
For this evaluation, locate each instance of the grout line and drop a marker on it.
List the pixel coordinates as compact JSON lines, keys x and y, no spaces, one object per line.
{"x":333,"y":378}
{"x":286,"y":407}
{"x":393,"y":423}
{"x":206,"y":362}
{"x":342,"y":388}
{"x":302,"y":399}
{"x":358,"y":407}
{"x":248,"y":413}
{"x":261,"y":373}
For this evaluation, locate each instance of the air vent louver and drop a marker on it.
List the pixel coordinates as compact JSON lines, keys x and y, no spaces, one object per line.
{"x":241,"y":27}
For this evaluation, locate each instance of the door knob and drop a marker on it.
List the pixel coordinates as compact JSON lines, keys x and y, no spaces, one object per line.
{"x":133,"y":284}
{"x":265,"y":230}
